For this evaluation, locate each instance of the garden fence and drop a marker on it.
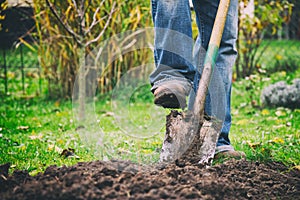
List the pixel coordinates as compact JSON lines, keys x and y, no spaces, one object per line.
{"x":20,"y":72}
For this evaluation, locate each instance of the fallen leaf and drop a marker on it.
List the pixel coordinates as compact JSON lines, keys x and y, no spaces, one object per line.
{"x":235,"y":112}
{"x":33,"y":172}
{"x":260,"y":70}
{"x":277,"y":140}
{"x":24,"y":128}
{"x":266,"y":79}
{"x":52,"y":147}
{"x":39,"y":125}
{"x":242,"y":122}
{"x":279,"y":121}
{"x":282,"y":73}
{"x":59,"y":141}
{"x":254,"y":103}
{"x":243,"y":105}
{"x":57,"y":149}
{"x":147,"y":151}
{"x":22,"y":147}
{"x":34,"y":137}
{"x":105,"y":158}
{"x":254,"y":144}
{"x":10,"y":75}
{"x":279,"y":126}
{"x":57,"y":104}
{"x":265,"y":112}
{"x":280,"y":113}
{"x":156,"y":143}
{"x":271,"y":118}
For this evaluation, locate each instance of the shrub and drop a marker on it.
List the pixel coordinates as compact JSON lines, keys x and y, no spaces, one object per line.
{"x":268,"y":15}
{"x":281,"y":94}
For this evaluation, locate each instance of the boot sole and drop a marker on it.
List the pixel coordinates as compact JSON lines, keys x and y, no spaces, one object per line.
{"x":168,"y":99}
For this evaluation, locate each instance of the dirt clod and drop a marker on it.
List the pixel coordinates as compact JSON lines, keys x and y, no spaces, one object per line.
{"x":103,"y":180}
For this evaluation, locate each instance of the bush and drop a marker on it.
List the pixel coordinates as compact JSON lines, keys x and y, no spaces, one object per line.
{"x":267,"y":15}
{"x":281,"y":94}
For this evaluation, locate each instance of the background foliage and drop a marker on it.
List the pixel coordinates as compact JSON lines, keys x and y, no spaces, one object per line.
{"x":268,"y":17}
{"x":58,"y":51}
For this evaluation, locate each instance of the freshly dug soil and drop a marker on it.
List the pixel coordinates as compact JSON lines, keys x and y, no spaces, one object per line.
{"x":125,"y":180}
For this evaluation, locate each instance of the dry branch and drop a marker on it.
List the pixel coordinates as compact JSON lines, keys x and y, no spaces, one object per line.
{"x":65,"y":25}
{"x":104,"y":28}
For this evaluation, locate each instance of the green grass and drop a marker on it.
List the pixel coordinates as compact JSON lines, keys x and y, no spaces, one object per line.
{"x":33,"y":134}
{"x":34,"y":131}
{"x":265,"y":134}
{"x":280,"y":55}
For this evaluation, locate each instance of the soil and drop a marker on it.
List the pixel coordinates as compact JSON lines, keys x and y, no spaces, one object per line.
{"x":234,"y":179}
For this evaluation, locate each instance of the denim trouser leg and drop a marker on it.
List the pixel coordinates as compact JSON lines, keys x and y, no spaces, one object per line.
{"x":173,"y":42}
{"x":205,"y":14}
{"x":175,"y":15}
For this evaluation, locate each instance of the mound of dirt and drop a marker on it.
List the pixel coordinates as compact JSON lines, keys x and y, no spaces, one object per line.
{"x":126,"y":180}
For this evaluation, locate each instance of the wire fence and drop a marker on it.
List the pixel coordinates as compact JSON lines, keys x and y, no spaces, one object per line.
{"x":20,"y":73}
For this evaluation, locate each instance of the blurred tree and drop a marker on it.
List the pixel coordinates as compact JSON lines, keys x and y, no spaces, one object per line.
{"x":81,"y":32}
{"x":268,"y":15}
{"x":68,"y":30}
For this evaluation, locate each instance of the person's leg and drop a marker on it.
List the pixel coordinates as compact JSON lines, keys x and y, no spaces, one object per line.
{"x":206,"y":12}
{"x":173,"y":46}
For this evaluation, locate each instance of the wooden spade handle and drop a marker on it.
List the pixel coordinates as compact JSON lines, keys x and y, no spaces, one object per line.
{"x":210,"y":58}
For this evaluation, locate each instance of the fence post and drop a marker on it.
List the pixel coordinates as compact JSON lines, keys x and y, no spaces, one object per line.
{"x":22,"y":69}
{"x":5,"y":71}
{"x":40,"y":79}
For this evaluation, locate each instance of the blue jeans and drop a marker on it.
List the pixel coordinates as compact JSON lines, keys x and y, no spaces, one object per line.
{"x":178,"y":57}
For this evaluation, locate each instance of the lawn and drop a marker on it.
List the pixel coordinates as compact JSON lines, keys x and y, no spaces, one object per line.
{"x":34,"y":132}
